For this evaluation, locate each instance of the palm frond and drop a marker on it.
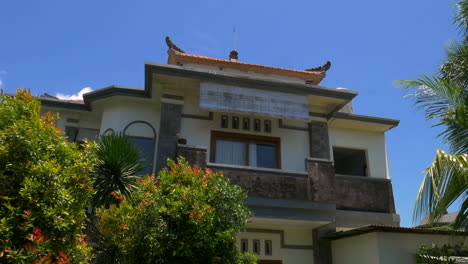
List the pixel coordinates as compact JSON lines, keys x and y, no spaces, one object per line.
{"x":446,"y":102}
{"x":461,"y":17}
{"x":445,"y":181}
{"x":455,"y":68}
{"x":118,"y":163}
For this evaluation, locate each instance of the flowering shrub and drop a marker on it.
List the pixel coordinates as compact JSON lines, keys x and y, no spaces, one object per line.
{"x":186,"y":215}
{"x":44,"y":187}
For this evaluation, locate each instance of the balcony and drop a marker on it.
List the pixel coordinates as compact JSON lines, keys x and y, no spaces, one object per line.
{"x":317,"y":190}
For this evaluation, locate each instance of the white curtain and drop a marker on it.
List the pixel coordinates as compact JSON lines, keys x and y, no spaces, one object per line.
{"x":253,"y":155}
{"x":231,"y":152}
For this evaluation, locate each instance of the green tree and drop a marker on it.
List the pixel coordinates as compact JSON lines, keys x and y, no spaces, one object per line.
{"x":44,"y":187}
{"x":186,"y":215}
{"x":444,"y":98}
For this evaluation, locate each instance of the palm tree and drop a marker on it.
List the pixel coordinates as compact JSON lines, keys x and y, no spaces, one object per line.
{"x":118,"y":163}
{"x":444,"y":98}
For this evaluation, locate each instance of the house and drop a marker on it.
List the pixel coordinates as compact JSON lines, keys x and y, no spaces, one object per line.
{"x":310,"y":165}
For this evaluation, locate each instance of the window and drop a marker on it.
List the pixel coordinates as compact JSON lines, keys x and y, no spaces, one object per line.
{"x":146,"y":148}
{"x":143,"y":135}
{"x":350,"y":161}
{"x":77,"y":134}
{"x":244,"y":245}
{"x":245,"y":150}
{"x":268,"y":248}
{"x":256,"y":246}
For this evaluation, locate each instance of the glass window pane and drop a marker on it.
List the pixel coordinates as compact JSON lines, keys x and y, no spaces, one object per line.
{"x":266,"y":156}
{"x":90,"y":134}
{"x":231,"y":152}
{"x":146,"y":147}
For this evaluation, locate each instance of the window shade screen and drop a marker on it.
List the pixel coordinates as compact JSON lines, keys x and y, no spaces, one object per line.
{"x":231,"y":152}
{"x":235,"y":99}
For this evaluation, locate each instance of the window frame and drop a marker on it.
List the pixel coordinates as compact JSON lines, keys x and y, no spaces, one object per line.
{"x":249,"y":139}
{"x":367,"y":171}
{"x":152,"y":163}
{"x":77,"y":132}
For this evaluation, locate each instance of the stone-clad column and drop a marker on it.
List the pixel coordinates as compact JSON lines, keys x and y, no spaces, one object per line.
{"x":319,"y":165}
{"x":171,"y":113}
{"x":321,"y":180}
{"x":195,"y":155}
{"x":321,"y":185}
{"x":318,"y":140}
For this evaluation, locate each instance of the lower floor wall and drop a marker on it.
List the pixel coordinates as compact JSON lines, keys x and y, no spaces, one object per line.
{"x":288,"y":245}
{"x":387,"y":247}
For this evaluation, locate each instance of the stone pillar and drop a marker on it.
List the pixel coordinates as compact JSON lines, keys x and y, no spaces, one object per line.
{"x":171,"y":113}
{"x":318,"y":140}
{"x":321,"y":177}
{"x":195,"y":155}
{"x":321,"y":246}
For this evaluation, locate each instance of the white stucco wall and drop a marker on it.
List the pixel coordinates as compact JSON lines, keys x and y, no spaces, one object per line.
{"x":361,"y":249}
{"x":400,"y":247}
{"x":386,"y":247}
{"x":372,"y":142}
{"x":292,"y":236}
{"x":294,"y":143}
{"x":118,"y":112}
{"x":86,"y":119}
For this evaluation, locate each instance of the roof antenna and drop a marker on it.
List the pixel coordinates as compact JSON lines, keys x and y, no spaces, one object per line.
{"x":234,"y":38}
{"x":234,"y":55}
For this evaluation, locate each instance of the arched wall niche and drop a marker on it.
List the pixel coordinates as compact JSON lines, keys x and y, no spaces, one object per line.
{"x":143,"y":134}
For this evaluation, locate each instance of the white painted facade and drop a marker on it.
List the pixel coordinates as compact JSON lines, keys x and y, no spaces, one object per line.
{"x":387,"y":247}
{"x":372,"y":142}
{"x":292,"y":242}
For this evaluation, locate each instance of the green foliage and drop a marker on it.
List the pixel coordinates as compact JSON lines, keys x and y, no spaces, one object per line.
{"x":433,"y":254}
{"x":118,"y":161}
{"x":186,"y":215}
{"x":248,"y":258}
{"x":444,"y":98}
{"x":44,"y":187}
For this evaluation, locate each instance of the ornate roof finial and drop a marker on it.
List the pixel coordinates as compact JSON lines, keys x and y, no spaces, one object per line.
{"x":234,"y":55}
{"x":173,"y":46}
{"x":322,"y":68}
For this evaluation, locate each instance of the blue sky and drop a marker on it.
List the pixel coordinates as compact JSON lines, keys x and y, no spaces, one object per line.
{"x":64,"y":46}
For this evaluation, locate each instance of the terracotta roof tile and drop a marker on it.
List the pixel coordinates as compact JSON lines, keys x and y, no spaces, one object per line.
{"x":316,"y":77}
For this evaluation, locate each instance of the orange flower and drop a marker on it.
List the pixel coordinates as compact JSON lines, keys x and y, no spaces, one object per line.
{"x":123,"y":226}
{"x":63,"y":258}
{"x":82,"y":240}
{"x":27,"y":213}
{"x":37,"y":235}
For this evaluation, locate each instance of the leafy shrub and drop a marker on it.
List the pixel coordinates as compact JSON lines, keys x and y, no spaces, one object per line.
{"x":433,"y":254}
{"x":186,"y":215}
{"x":44,"y":187}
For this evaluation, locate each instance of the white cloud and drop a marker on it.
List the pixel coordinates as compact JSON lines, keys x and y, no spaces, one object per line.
{"x":78,"y":96}
{"x":2,"y":72}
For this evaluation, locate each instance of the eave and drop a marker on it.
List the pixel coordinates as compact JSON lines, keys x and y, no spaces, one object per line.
{"x":362,"y":122}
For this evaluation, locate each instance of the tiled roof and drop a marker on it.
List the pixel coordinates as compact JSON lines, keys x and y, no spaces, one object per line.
{"x":392,"y":229}
{"x":315,"y":76}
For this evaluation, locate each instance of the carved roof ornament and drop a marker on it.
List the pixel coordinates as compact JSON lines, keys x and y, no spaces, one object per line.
{"x":322,"y":68}
{"x":173,"y":46}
